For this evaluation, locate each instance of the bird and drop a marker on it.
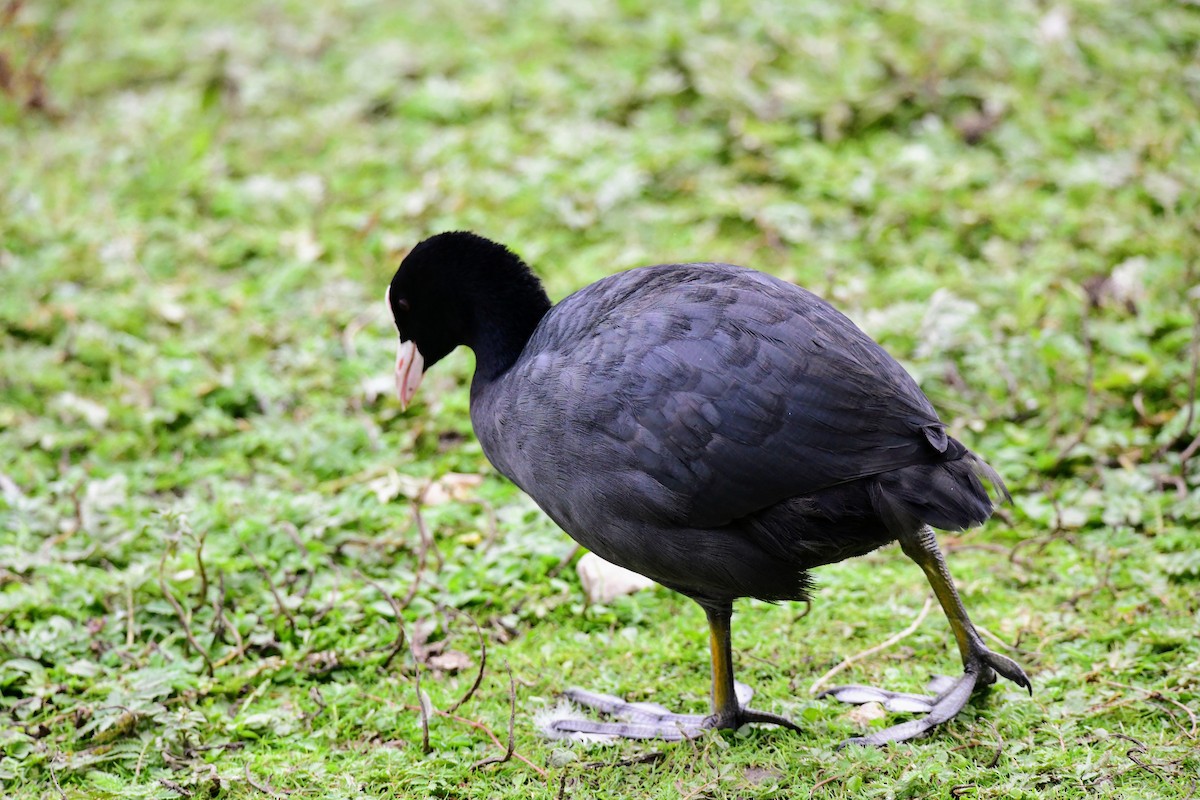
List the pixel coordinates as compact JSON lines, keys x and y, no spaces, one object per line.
{"x":714,"y":428}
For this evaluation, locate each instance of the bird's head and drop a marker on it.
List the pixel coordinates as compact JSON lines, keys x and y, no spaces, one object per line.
{"x":459,"y":288}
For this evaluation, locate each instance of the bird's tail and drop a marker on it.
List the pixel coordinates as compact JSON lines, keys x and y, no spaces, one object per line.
{"x":949,"y":495}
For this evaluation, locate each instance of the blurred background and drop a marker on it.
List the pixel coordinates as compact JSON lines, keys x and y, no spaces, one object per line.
{"x":227,"y":558}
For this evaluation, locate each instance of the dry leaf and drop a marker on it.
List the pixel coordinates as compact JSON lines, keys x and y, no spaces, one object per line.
{"x":449,"y":661}
{"x":456,"y":486}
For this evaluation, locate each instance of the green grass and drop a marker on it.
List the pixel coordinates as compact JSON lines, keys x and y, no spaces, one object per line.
{"x":211,"y":508}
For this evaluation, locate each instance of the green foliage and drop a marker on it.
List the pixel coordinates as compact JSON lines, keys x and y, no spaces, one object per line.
{"x":227,"y":558}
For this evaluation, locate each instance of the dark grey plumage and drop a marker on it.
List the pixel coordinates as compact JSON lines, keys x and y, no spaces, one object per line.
{"x":721,"y":431}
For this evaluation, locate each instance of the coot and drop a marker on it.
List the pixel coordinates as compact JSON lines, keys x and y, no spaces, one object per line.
{"x":713,"y":428}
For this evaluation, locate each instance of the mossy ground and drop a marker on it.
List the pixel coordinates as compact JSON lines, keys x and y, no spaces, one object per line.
{"x":216,"y":525}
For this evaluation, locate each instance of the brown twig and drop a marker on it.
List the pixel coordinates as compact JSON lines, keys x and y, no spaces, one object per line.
{"x":422,"y":556}
{"x":423,"y":529}
{"x":265,"y":788}
{"x":130,"y":624}
{"x":482,"y":662}
{"x":180,"y":613}
{"x":75,"y":495}
{"x":512,"y":724}
{"x":1194,"y":347}
{"x":397,"y":610}
{"x":960,"y":546}
{"x":480,"y":727}
{"x":424,"y":704}
{"x":825,"y":782}
{"x":194,"y":749}
{"x":701,"y":790}
{"x":315,"y":695}
{"x":274,"y":592}
{"x":239,"y":649}
{"x":1138,"y":747}
{"x":10,"y":11}
{"x":1042,"y":542}
{"x":645,"y":758}
{"x":999,"y":641}
{"x":141,"y":762}
{"x":1111,"y":778}
{"x":174,"y":787}
{"x":1103,"y":585}
{"x":1089,"y":381}
{"x":805,"y":613}
{"x":222,"y":622}
{"x":316,"y":618}
{"x":1188,"y":452}
{"x":54,"y":777}
{"x":849,"y":660}
{"x":24,"y":82}
{"x":999,"y":747}
{"x":1155,"y":694}
{"x":294,"y":535}
{"x":203,"y":592}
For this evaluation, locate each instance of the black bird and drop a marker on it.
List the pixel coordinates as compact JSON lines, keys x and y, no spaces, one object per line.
{"x":713,"y":428}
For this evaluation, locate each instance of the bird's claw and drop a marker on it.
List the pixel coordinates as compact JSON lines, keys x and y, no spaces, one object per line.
{"x":1007,"y":668}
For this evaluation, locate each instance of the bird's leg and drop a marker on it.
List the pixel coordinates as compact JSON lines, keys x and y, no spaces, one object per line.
{"x":980,"y":664}
{"x":652,"y":721}
{"x":730,"y":711}
{"x":725,"y":703}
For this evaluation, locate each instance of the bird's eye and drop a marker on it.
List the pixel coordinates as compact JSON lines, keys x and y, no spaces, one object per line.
{"x":397,"y":309}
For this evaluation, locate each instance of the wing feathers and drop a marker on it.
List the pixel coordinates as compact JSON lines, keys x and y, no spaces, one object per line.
{"x":731,"y":390}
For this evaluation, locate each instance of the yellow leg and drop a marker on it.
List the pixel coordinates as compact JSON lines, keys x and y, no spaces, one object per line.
{"x":645,"y":721}
{"x":728,"y":713}
{"x":922,"y":548}
{"x":724,"y":699}
{"x":980,"y":665}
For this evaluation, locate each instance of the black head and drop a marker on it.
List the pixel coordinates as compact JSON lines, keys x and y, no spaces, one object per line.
{"x":459,"y":288}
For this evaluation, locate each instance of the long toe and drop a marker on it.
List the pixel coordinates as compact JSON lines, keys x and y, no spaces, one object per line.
{"x":751,"y":716}
{"x":586,"y":730}
{"x":646,"y":720}
{"x":858,"y":694}
{"x":946,"y":706}
{"x":951,"y":697}
{"x":630,"y":720}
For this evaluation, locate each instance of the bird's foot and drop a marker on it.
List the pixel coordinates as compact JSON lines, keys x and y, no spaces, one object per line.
{"x":949,"y":697}
{"x":650,"y":720}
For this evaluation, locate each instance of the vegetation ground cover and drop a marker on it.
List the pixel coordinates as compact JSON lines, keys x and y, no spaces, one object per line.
{"x":230,"y":566}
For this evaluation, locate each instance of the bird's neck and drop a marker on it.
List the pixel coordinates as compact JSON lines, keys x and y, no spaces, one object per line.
{"x":502,"y":331}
